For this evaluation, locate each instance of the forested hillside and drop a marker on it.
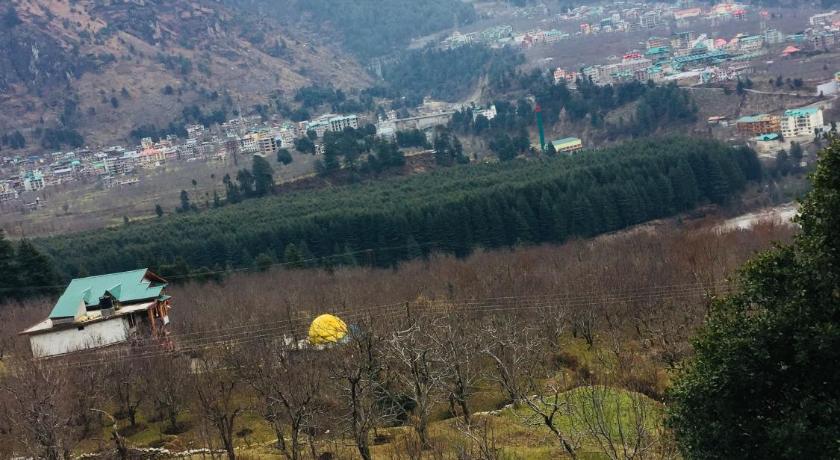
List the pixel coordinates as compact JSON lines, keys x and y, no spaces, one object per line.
{"x":448,"y":74}
{"x":452,"y":210}
{"x":368,"y":28}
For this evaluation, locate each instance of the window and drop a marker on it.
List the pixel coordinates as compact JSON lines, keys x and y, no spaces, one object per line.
{"x":80,"y":328}
{"x":131,"y":321}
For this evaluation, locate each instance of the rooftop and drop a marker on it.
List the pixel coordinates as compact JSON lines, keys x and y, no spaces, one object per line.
{"x":125,"y":287}
{"x":754,"y":118}
{"x":801,"y":112}
{"x":566,"y":140}
{"x":767,"y":137}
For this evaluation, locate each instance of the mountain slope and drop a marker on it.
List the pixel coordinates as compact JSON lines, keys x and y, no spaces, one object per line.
{"x":366,"y":28}
{"x":103,"y":67}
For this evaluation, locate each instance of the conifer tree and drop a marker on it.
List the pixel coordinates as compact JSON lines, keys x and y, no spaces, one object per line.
{"x":263,"y":176}
{"x":8,"y":272}
{"x":36,"y":273}
{"x":764,"y":382}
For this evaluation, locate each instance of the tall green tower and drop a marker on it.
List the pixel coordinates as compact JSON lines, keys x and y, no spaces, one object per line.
{"x":538,"y":111}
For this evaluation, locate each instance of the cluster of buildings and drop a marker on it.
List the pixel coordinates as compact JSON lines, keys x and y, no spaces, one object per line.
{"x":429,"y":116}
{"x":792,"y":123}
{"x":267,"y":139}
{"x":641,"y":16}
{"x":768,"y":131}
{"x":117,"y":166}
{"x":493,"y":36}
{"x":691,"y":58}
{"x":590,"y":20}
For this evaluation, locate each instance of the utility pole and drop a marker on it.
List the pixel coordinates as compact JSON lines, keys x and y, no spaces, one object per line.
{"x":538,"y":111}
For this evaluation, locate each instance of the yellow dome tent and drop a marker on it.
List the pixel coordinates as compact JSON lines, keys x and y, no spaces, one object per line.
{"x":327,"y":329}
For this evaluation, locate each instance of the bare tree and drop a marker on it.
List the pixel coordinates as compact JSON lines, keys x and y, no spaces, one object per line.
{"x":519,"y":356}
{"x":167,"y":388}
{"x":87,"y":385}
{"x":553,"y":319}
{"x":415,"y":362}
{"x":620,"y":422}
{"x":460,"y":353}
{"x":40,"y":409}
{"x":584,"y":323}
{"x":357,"y":372}
{"x":483,"y":442}
{"x":550,"y":402}
{"x":288,"y":381}
{"x":511,"y":348}
{"x":126,"y":377}
{"x":216,"y":386}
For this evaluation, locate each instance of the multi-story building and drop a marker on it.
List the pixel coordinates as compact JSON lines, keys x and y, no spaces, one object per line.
{"x":488,"y":113}
{"x":823,"y":40}
{"x":773,"y":37}
{"x":649,"y":19}
{"x":338,"y":124}
{"x":801,"y":122}
{"x":116,"y":165}
{"x":682,"y":40}
{"x":195,"y":131}
{"x":750,"y":43}
{"x":569,"y":77}
{"x":33,"y":181}
{"x":268,"y":144}
{"x":152,"y":155}
{"x":687,"y":13}
{"x":657,"y":42}
{"x":7,"y":191}
{"x":756,"y":125}
{"x":824,"y":19}
{"x":249,"y":143}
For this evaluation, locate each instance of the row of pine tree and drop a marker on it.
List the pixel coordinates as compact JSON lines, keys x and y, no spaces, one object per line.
{"x":453,"y":210}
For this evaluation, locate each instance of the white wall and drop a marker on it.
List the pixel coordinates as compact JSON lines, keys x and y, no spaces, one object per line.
{"x":98,"y":334}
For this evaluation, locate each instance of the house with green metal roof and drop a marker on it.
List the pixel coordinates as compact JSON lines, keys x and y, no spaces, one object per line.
{"x":104,"y":310}
{"x":567,"y":145}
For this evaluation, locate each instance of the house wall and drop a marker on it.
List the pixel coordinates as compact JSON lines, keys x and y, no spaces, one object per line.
{"x":93,"y":335}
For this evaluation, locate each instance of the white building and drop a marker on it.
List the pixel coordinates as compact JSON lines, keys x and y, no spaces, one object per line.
{"x":801,"y":122}
{"x":33,"y":181}
{"x":195,"y":131}
{"x":824,"y":19}
{"x":488,"y":113}
{"x":101,"y":311}
{"x":7,"y":191}
{"x":121,"y":164}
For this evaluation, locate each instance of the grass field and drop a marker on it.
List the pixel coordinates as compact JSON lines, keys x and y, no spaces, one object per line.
{"x":596,"y":418}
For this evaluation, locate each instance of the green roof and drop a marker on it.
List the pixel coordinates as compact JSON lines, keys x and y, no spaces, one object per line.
{"x":565,"y":142}
{"x":125,"y":287}
{"x":800,"y":112}
{"x":753,"y":118}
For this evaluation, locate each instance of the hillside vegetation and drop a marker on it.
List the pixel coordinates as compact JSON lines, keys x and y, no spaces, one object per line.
{"x":451,"y":210}
{"x":368,"y":28}
{"x":596,"y":323}
{"x":101,"y":69}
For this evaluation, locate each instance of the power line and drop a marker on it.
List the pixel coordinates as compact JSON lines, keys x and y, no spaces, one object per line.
{"x":579,"y":300}
{"x":287,"y":331}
